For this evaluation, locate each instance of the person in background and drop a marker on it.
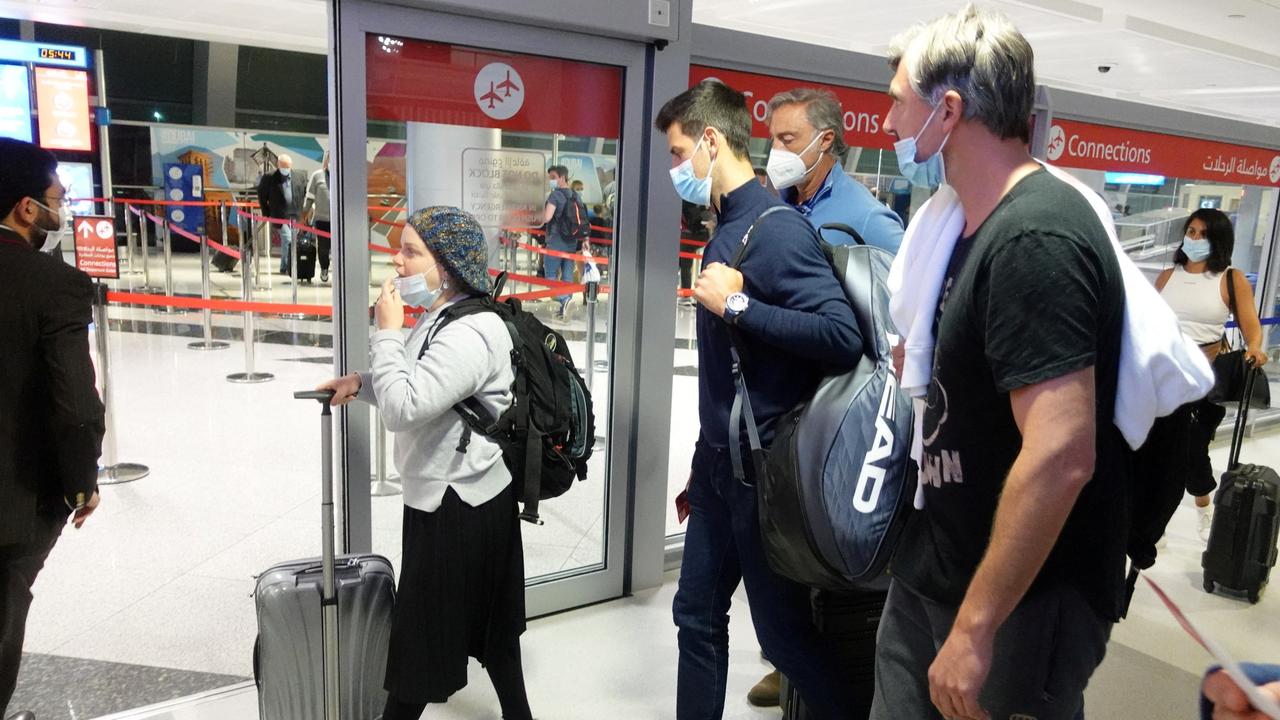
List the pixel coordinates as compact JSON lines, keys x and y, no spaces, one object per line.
{"x":315,"y":212}
{"x":762,"y":177}
{"x":577,"y":187}
{"x":51,"y":420}
{"x":558,"y":268}
{"x":1196,"y":288}
{"x":805,"y":166}
{"x":280,"y":196}
{"x":461,"y":590}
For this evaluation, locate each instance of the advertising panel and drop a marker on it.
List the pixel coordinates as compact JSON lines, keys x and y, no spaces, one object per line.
{"x":62,"y":109}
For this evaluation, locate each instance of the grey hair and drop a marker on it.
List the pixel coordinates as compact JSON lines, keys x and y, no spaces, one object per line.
{"x":822,"y":110}
{"x":980,"y":55}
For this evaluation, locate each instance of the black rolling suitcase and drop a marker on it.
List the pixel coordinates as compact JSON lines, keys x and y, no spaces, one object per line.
{"x":1246,"y":520}
{"x":324,"y":624}
{"x":849,"y":620}
{"x":224,"y":263}
{"x":306,"y":257}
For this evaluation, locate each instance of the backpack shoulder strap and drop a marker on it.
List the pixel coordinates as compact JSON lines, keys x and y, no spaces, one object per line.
{"x":847,"y":230}
{"x":742,"y":400}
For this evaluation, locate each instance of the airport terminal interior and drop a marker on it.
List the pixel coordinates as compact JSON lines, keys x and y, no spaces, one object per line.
{"x":164,"y":115}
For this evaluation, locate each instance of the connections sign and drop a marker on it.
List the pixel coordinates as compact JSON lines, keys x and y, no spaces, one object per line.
{"x":1113,"y":149}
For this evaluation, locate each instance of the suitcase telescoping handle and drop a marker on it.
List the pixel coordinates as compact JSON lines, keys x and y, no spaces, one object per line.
{"x":329,"y":594}
{"x":1242,"y":416}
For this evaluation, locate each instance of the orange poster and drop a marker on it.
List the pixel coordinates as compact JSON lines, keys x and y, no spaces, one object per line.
{"x":62,"y":108}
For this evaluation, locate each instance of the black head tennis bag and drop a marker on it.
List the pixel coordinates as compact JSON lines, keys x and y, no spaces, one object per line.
{"x":836,"y":487}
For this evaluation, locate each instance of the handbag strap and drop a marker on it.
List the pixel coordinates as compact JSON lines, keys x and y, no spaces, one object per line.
{"x":1231,"y":305}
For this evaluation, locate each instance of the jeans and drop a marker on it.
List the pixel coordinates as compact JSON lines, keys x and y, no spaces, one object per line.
{"x":323,"y":244}
{"x":19,"y":565}
{"x":286,"y":240}
{"x":721,"y":548}
{"x":1043,"y":658}
{"x":558,"y":269}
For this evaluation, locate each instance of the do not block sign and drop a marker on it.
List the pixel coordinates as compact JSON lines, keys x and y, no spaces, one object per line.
{"x":96,"y":246}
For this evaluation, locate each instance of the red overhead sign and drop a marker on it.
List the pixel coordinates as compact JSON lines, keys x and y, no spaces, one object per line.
{"x":864,"y":110}
{"x":96,"y":246}
{"x":419,"y":81}
{"x":62,"y":109}
{"x":1102,"y":147}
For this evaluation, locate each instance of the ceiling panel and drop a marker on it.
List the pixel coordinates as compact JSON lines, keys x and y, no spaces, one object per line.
{"x":1158,"y":51}
{"x":1220,"y":57}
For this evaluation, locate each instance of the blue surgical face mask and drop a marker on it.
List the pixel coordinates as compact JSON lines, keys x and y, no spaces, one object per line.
{"x":414,"y":291}
{"x":552,"y":184}
{"x":285,"y":171}
{"x":689,"y":186}
{"x":927,"y":173}
{"x":1195,"y":250}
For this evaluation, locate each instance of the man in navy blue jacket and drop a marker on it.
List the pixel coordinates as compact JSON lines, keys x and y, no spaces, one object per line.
{"x":794,"y":325}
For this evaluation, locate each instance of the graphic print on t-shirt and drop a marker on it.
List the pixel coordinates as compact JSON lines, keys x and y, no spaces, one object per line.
{"x":937,"y":465}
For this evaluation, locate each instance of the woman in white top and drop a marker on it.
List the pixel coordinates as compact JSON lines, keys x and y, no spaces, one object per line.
{"x":461,"y":590}
{"x":1196,"y":288}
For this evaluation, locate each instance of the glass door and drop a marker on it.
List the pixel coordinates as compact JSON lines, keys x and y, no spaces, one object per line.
{"x":450,"y":118}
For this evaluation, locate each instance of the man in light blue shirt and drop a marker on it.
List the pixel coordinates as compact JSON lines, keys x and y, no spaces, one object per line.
{"x":808,"y":141}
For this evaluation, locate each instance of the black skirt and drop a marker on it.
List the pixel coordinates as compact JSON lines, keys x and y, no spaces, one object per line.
{"x":461,"y":594}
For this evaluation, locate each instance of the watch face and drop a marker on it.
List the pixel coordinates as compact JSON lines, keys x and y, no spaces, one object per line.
{"x":736,"y":302}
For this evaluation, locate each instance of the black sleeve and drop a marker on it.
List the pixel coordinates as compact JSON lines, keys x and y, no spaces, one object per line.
{"x":796,"y":302}
{"x":77,"y":422}
{"x":263,"y":207}
{"x":1040,"y":309}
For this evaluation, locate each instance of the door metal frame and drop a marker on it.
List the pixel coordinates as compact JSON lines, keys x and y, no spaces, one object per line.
{"x":351,"y":21}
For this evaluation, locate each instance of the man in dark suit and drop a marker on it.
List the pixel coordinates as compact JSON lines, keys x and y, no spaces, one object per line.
{"x":51,"y":420}
{"x":280,"y":195}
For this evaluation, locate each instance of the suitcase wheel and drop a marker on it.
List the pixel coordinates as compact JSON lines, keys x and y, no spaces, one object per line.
{"x":1208,"y":585}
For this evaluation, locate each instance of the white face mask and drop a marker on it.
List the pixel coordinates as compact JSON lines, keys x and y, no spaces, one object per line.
{"x":414,"y":291}
{"x":787,"y":168}
{"x":53,"y":238}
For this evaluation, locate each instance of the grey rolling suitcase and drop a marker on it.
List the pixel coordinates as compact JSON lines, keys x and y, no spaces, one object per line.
{"x":324,"y":624}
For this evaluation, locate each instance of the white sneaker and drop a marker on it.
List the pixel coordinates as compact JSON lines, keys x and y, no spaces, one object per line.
{"x":1205,"y":517}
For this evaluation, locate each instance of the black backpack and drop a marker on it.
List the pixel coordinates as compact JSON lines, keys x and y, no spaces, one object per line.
{"x":574,"y":222}
{"x":548,"y":433}
{"x":835,"y":489}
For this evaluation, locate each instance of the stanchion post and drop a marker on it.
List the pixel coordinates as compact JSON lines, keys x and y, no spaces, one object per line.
{"x":294,"y":235}
{"x":382,"y":485}
{"x":592,"y":294}
{"x":144,"y":236}
{"x":208,"y":343}
{"x":128,"y":238}
{"x":249,"y":376}
{"x":166,"y":241}
{"x":111,"y":472}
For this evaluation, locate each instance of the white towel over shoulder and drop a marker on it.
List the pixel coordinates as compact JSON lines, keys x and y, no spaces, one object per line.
{"x":1159,"y":368}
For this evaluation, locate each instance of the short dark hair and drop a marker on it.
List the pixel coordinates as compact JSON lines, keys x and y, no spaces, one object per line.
{"x":25,"y":171}
{"x":560,"y":171}
{"x":761,"y":172}
{"x":1221,"y":235}
{"x":710,"y":103}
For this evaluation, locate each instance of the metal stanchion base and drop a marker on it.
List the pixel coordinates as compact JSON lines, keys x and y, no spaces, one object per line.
{"x":208,"y":345}
{"x":169,"y":310}
{"x":250,"y":378}
{"x":122,"y":473}
{"x":292,"y":316}
{"x":385,"y":488}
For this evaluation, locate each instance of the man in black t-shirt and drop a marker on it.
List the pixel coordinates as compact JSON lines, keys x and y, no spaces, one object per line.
{"x":1007,"y":583}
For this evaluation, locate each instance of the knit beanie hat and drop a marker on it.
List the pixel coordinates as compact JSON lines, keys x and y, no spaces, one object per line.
{"x":458,"y":243}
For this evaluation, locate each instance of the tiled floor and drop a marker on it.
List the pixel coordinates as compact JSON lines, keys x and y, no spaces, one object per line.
{"x":161,"y":576}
